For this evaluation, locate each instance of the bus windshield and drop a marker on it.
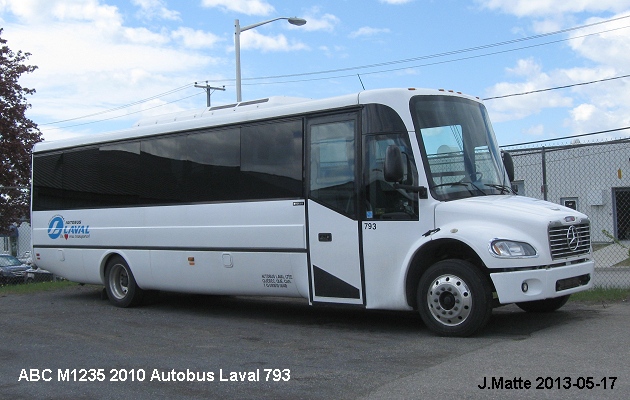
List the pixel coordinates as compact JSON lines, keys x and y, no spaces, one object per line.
{"x":461,"y":156}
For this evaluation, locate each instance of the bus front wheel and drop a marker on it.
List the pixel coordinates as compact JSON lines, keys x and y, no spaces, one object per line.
{"x":120,"y":284}
{"x":454,"y":298}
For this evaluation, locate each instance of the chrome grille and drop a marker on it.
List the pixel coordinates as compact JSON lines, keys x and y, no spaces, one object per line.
{"x":569,"y":240}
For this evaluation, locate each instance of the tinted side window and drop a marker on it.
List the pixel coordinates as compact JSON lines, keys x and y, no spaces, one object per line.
{"x":119,"y":174}
{"x":382,"y":200}
{"x":47,"y":182}
{"x":271,"y":160}
{"x":254,"y":162}
{"x":332,"y":173}
{"x":162,"y":170}
{"x":80,"y":177}
{"x":214,"y":159}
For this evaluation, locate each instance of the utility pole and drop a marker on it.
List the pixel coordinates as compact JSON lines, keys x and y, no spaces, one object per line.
{"x":208,"y":89}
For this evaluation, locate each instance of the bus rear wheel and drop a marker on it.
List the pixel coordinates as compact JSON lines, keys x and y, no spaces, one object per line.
{"x":454,"y":298}
{"x":120,"y":284}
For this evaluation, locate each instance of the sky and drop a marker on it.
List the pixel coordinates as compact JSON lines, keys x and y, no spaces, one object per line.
{"x":104,"y":65}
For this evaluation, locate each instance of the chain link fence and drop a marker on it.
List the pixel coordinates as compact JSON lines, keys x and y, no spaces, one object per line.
{"x":17,"y":244}
{"x":593,"y":178}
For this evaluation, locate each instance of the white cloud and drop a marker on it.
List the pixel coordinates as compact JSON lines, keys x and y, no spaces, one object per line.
{"x":368,"y":31}
{"x":551,"y":24}
{"x":151,"y":9}
{"x":196,"y":39}
{"x":543,"y":8}
{"x":144,"y":36}
{"x":88,"y":56}
{"x":248,"y":7}
{"x":525,"y":67}
{"x":334,"y":51}
{"x":254,"y":40}
{"x":63,"y":10}
{"x":66,"y":49}
{"x":600,"y":106}
{"x":606,"y":48}
{"x":519,"y":107}
{"x":536,"y":130}
{"x":583,"y":112}
{"x":553,"y":15}
{"x":395,"y":1}
{"x":315,"y":22}
{"x":408,"y":72}
{"x":584,"y":108}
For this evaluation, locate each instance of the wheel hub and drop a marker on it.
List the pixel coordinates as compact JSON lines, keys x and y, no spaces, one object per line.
{"x":119,"y":281}
{"x":449,"y":300}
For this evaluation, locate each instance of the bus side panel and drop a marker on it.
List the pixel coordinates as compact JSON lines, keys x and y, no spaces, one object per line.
{"x":230,"y":273}
{"x":227,"y":247}
{"x":138,"y":261}
{"x":67,"y":263}
{"x":385,"y":270}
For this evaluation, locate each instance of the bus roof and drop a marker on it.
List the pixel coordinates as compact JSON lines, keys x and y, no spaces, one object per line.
{"x":272,"y":107}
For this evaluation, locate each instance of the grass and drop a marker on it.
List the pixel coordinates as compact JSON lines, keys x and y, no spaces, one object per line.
{"x":600,"y":245}
{"x":598,"y":295}
{"x":34,"y":287}
{"x":595,"y":295}
{"x":624,"y":263}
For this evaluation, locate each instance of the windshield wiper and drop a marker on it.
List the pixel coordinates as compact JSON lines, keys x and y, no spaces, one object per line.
{"x":451,"y":184}
{"x":463,"y":183}
{"x":504,"y":189}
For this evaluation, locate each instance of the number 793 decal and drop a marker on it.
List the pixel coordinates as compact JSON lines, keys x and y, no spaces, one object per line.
{"x":369,"y":226}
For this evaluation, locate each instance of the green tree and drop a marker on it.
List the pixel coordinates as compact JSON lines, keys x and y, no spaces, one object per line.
{"x":18,"y":135}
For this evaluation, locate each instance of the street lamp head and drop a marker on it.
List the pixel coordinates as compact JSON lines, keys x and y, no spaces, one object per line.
{"x":237,"y":44}
{"x":296,"y":21}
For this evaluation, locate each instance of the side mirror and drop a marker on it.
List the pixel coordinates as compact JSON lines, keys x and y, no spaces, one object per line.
{"x":393,"y":170}
{"x":508,"y":163}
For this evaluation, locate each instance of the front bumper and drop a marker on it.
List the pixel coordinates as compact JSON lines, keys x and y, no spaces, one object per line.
{"x":12,"y":277}
{"x":38,"y":275}
{"x":543,"y":283}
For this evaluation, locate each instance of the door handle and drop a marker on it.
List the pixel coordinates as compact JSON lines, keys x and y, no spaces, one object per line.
{"x":324,"y":237}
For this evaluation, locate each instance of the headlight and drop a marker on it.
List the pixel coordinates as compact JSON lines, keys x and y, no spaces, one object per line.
{"x":507,"y":248}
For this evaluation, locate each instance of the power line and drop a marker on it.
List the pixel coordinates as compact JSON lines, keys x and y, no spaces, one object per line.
{"x":433,"y":63}
{"x":568,"y":137}
{"x":556,"y":88}
{"x":437,"y":55}
{"x":131,"y":113}
{"x":157,"y":96}
{"x":453,"y":52}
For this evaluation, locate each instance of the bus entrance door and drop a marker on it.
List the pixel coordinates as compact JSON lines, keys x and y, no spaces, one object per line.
{"x":335,"y":268}
{"x":333,"y":229}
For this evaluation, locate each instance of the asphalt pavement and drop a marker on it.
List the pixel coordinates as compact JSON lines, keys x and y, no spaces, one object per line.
{"x":72,"y":344}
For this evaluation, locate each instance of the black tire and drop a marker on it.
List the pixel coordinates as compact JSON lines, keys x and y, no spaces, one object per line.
{"x":121,"y":287}
{"x":454,"y":298}
{"x":544,"y":306}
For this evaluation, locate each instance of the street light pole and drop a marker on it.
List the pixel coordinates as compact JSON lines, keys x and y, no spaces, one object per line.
{"x":237,"y":45}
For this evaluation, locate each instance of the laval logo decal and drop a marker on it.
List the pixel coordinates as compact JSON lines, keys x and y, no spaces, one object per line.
{"x":58,"y":227}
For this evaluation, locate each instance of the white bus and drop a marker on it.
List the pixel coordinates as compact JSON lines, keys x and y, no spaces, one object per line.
{"x":393,"y":199}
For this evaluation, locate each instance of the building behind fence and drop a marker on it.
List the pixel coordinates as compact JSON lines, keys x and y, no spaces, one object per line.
{"x":592,"y":178}
{"x":17,"y":245}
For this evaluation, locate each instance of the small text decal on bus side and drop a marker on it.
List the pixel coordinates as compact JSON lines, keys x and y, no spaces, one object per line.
{"x":276,"y":281}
